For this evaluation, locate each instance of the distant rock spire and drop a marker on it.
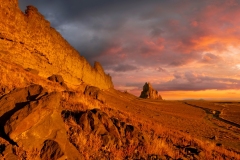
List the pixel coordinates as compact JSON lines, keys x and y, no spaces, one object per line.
{"x":149,"y":92}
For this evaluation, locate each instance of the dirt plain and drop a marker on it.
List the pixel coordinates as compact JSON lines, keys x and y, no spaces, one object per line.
{"x":213,"y":121}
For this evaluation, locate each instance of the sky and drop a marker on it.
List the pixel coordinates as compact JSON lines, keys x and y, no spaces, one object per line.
{"x":184,"y":48}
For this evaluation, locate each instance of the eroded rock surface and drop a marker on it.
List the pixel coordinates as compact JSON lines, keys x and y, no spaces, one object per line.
{"x":95,"y":93}
{"x":112,"y":131}
{"x":149,"y":92}
{"x":27,"y":39}
{"x":51,"y":150}
{"x":58,"y":79}
{"x":17,"y":98}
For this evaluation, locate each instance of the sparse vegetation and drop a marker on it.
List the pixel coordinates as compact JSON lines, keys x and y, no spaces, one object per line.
{"x":161,"y":141}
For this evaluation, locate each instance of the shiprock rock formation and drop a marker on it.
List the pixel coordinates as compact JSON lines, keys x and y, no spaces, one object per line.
{"x":149,"y":92}
{"x":28,"y":39}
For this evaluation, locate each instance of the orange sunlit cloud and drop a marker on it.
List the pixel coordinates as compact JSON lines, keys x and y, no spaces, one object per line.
{"x":205,"y":95}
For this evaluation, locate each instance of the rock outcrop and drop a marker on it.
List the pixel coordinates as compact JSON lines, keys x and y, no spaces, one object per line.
{"x":27,"y":39}
{"x":111,"y":132}
{"x":149,"y":92}
{"x":95,"y":93}
{"x":31,"y":119}
{"x":58,"y":79}
{"x":33,"y":114}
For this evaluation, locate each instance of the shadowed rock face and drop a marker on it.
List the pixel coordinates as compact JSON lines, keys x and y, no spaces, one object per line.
{"x":149,"y":92}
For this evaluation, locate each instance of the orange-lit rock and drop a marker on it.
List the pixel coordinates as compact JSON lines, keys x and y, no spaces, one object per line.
{"x":29,"y":40}
{"x":149,"y":92}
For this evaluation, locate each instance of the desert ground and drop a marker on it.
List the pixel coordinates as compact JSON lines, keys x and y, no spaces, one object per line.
{"x":215,"y":122}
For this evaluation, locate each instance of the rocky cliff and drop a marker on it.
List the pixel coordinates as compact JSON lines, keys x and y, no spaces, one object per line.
{"x":149,"y":92}
{"x":27,"y":39}
{"x":47,"y":92}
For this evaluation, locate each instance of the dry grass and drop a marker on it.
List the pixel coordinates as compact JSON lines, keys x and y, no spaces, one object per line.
{"x":77,"y":101}
{"x":87,"y":144}
{"x":148,"y":117}
{"x":231,"y":112}
{"x":159,"y":146}
{"x":164,"y":141}
{"x":160,"y":140}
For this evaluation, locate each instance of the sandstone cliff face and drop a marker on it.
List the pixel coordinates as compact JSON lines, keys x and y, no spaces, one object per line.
{"x":149,"y":92}
{"x":29,"y":40}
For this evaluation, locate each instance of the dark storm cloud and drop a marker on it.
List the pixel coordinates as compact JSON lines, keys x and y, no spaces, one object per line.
{"x":87,"y":10}
{"x":124,"y":68}
{"x":91,"y":25}
{"x":131,"y":34}
{"x":156,"y":32}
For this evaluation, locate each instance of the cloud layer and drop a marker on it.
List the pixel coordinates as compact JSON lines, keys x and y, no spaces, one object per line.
{"x":176,"y":45}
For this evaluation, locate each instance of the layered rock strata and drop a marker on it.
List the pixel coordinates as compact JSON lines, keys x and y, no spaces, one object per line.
{"x":27,"y":39}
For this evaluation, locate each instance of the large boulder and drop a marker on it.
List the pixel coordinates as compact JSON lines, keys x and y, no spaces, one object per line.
{"x":32,"y":121}
{"x":95,"y":93}
{"x":15,"y":100}
{"x":29,"y":117}
{"x":149,"y":92}
{"x":57,"y":78}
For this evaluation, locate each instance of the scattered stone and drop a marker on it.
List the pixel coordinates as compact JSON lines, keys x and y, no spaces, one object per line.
{"x":51,"y":150}
{"x":95,"y":93}
{"x":149,"y":92}
{"x":33,"y":71}
{"x":58,"y":79}
{"x":214,"y":138}
{"x":219,"y":144}
{"x":192,"y":150}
